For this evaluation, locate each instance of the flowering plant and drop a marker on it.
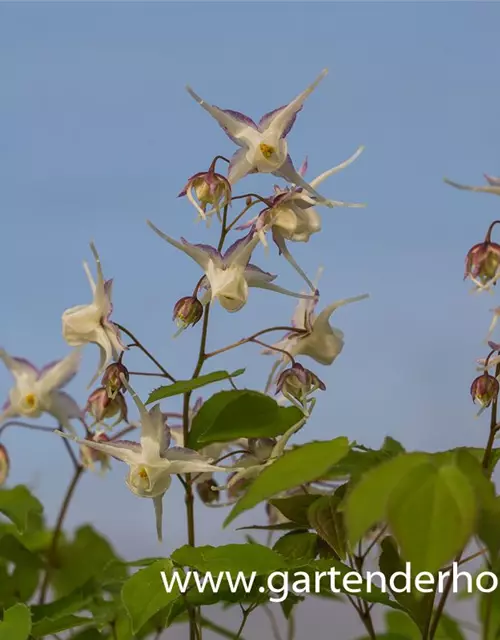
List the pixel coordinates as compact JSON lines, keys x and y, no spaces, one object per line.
{"x":330,"y":504}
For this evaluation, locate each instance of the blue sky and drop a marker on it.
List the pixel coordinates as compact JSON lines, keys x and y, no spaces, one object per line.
{"x":98,"y":134}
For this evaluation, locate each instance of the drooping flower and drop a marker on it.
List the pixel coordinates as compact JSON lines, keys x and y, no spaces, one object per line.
{"x":152,"y":462}
{"x":102,"y":407}
{"x":90,"y":457}
{"x":208,"y":188}
{"x":292,"y":216}
{"x":484,"y":390}
{"x":90,"y":323}
{"x":263,"y":146}
{"x":112,"y":378}
{"x":318,"y":339}
{"x":493,"y":185}
{"x":188,"y":311}
{"x":229,"y":276}
{"x":38,"y":391}
{"x":482,"y":263}
{"x":298,"y":382}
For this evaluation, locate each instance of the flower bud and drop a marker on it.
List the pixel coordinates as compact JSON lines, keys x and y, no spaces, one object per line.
{"x":4,"y":464}
{"x":90,"y":457}
{"x":207,"y":490}
{"x":484,"y":389}
{"x":112,"y":378}
{"x":482,"y":263}
{"x":261,"y":448}
{"x":298,"y":382}
{"x":187,"y":311}
{"x":207,"y":188}
{"x":101,"y":406}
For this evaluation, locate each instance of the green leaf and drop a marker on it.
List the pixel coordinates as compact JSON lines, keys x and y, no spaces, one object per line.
{"x":89,"y":555}
{"x":74,"y":602}
{"x":329,"y":523}
{"x":21,"y":507}
{"x":365,"y":505}
{"x":16,"y":623}
{"x":244,"y":558}
{"x":298,"y":548}
{"x":295,"y":508}
{"x":488,"y":528}
{"x":399,"y":623}
{"x":298,"y":466}
{"x":432,"y":515}
{"x":183,"y":386}
{"x":448,"y":629}
{"x":23,"y":579}
{"x":88,"y":634}
{"x":48,"y":627}
{"x":417,"y":604}
{"x":229,"y":415}
{"x":144,"y":594}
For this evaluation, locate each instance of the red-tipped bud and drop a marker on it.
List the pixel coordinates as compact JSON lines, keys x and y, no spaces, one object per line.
{"x":261,"y":448}
{"x":112,"y":378}
{"x":482,"y":262}
{"x":101,"y":406}
{"x":208,"y":188}
{"x":298,"y":382}
{"x":90,"y":457}
{"x":207,"y":490}
{"x":187,"y":311}
{"x":4,"y":464}
{"x":484,"y":389}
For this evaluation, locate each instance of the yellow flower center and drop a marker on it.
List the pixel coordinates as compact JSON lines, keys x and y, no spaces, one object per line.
{"x":267,"y":150}
{"x":143,"y":474}
{"x":30,"y":400}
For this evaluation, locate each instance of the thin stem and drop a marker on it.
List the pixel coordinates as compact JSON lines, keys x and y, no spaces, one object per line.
{"x":240,"y":215}
{"x":273,"y":348}
{"x":246,"y":613}
{"x":57,"y":531}
{"x":145,"y":373}
{"x":252,"y":338}
{"x":273,"y":622}
{"x":71,"y":453}
{"x":373,"y":543}
{"x":145,"y":351}
{"x":25,"y":425}
{"x":485,"y":465}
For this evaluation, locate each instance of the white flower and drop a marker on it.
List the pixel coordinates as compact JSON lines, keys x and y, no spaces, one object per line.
{"x":38,"y":391}
{"x":90,"y":323}
{"x":152,"y":463}
{"x":292,"y":216}
{"x":229,"y":276}
{"x":320,"y":341}
{"x":264,"y":148}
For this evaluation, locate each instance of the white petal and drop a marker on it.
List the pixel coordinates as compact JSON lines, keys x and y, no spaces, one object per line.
{"x":287,"y":171}
{"x":323,"y":319}
{"x":158,"y":505}
{"x":80,"y":323}
{"x":237,"y":129}
{"x":23,"y":371}
{"x":280,"y":242}
{"x":317,"y":181}
{"x":115,"y":449}
{"x":281,"y":120}
{"x":240,"y":166}
{"x":485,"y":189}
{"x":63,"y":408}
{"x":199,"y":255}
{"x":60,"y":373}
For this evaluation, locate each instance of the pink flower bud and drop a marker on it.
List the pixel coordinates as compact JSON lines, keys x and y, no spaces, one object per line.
{"x":482,"y":262}
{"x":4,"y":464}
{"x":101,"y":406}
{"x":207,"y":491}
{"x":187,"y":311}
{"x":90,"y":457}
{"x":208,"y":188}
{"x":298,"y":382}
{"x":484,"y":389}
{"x":112,"y":378}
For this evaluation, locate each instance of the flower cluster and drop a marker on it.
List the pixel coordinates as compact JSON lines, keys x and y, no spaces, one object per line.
{"x":289,"y":215}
